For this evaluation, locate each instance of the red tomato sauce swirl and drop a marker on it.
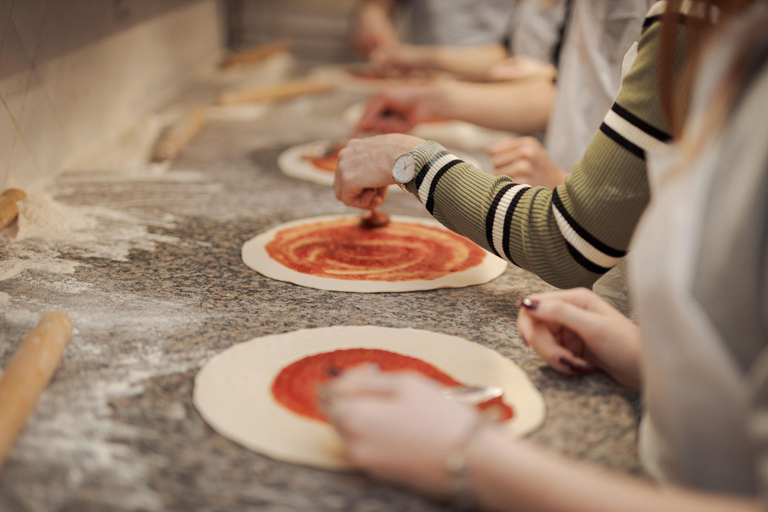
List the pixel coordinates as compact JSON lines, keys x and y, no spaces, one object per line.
{"x":342,"y":249}
{"x":295,"y":387}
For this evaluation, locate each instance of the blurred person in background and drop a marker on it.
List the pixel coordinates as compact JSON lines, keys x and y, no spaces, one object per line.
{"x":582,"y":42}
{"x":465,"y":37}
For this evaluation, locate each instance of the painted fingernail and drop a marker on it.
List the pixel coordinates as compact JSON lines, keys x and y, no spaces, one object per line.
{"x":529,"y":303}
{"x":525,"y":341}
{"x":577,"y":368}
{"x":333,"y":371}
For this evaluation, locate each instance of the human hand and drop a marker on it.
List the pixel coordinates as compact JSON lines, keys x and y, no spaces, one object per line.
{"x":400,"y":58}
{"x":373,"y":28}
{"x":365,"y":168}
{"x":400,"y":109}
{"x":518,"y":68}
{"x":398,"y":427}
{"x":575,"y":331}
{"x":525,"y":160}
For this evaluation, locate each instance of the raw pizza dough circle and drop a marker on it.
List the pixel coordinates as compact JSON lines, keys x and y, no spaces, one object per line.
{"x":453,"y":133}
{"x":255,"y":256}
{"x":292,"y":162}
{"x":232,"y":391}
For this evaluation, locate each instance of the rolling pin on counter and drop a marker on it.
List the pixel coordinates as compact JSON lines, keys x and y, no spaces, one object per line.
{"x":28,"y":373}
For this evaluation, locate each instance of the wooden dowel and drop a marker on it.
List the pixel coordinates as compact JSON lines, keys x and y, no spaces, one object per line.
{"x":175,"y":138}
{"x":255,"y":54}
{"x":279,"y":91}
{"x":8,"y":207}
{"x":28,"y":373}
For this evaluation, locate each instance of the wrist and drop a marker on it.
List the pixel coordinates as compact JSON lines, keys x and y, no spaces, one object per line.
{"x":458,"y":469}
{"x":443,"y":99}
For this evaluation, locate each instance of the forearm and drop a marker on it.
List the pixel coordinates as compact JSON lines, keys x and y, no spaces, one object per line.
{"x":472,"y":63}
{"x":511,"y":476}
{"x":522,"y":106}
{"x":516,"y":222}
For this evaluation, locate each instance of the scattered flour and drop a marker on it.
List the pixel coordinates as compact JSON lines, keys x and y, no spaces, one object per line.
{"x":46,"y":228}
{"x":74,"y":427}
{"x":41,"y":216}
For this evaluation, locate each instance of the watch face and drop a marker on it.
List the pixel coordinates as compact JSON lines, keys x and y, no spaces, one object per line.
{"x":403,"y":169}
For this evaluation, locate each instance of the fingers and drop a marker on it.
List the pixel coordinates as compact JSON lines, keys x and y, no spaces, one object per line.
{"x":507,"y":157}
{"x":519,"y":171}
{"x":365,"y":168}
{"x":384,"y":114}
{"x":567,"y":314}
{"x":373,"y":110}
{"x":504,"y":144}
{"x":542,"y":339}
{"x":366,"y":379}
{"x":582,"y":297}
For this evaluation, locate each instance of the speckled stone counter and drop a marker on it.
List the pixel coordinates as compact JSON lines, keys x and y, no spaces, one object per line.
{"x":161,"y":288}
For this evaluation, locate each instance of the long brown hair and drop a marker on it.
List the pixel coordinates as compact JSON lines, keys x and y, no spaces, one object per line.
{"x":704,"y":19}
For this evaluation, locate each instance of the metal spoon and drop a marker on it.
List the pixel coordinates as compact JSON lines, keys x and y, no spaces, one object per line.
{"x":473,"y":394}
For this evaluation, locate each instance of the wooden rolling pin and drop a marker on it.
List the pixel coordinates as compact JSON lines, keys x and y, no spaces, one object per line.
{"x":8,"y":208}
{"x":176,"y":137}
{"x":279,"y":91}
{"x":255,"y":54}
{"x":28,"y":373}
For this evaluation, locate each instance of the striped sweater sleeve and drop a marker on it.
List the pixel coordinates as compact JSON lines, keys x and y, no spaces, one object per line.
{"x":574,"y":234}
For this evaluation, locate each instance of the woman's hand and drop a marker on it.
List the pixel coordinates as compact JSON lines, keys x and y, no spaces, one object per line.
{"x":575,"y":331}
{"x":373,"y":27}
{"x":400,"y":109}
{"x":519,"y":68}
{"x":365,"y":168}
{"x":525,"y":160}
{"x":398,"y":427}
{"x":401,"y":59}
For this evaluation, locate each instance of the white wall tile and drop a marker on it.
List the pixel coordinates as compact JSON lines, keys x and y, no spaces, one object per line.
{"x":22,"y":167}
{"x":29,"y":18}
{"x":15,"y":68}
{"x":72,"y":75}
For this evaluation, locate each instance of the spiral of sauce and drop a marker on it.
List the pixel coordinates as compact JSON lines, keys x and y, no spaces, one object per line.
{"x":328,"y":163}
{"x":342,"y":249}
{"x":295,"y":387}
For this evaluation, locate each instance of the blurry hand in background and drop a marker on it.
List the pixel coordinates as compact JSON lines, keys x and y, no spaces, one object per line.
{"x":525,"y":160}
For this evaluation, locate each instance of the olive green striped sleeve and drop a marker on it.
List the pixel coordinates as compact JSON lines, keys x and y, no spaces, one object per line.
{"x":574,"y":234}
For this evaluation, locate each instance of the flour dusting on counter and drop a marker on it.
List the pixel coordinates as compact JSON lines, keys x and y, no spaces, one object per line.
{"x":45,"y":229}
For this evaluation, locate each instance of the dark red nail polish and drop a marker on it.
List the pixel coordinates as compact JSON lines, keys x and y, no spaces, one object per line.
{"x":577,"y":368}
{"x":529,"y":303}
{"x":333,"y":371}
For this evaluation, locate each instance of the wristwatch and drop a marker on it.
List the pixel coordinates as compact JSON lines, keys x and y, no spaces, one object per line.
{"x":404,"y":170}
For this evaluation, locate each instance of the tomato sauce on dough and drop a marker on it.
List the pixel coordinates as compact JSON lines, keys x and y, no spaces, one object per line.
{"x":328,"y":163}
{"x":295,"y":387}
{"x":342,"y":249}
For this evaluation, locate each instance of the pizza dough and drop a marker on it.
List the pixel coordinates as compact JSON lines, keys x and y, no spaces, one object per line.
{"x":293,"y":162}
{"x":232,"y":391}
{"x":453,"y":133}
{"x":255,"y":255}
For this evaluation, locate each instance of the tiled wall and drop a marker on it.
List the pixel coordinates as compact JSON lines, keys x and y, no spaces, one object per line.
{"x":319,"y":28}
{"x":76,"y":73}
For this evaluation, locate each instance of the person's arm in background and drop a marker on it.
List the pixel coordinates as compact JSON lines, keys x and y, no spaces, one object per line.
{"x":471,"y":63}
{"x":521,"y":106}
{"x":373,"y":28}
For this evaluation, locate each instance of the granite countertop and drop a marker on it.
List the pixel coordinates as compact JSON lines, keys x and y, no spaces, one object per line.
{"x":155,"y":287}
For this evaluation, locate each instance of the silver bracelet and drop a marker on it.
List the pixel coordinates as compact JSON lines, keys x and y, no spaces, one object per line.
{"x":458,"y":469}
